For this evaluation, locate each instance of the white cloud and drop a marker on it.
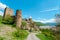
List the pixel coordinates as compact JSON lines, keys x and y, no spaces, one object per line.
{"x":52,"y":9}
{"x":1,"y":13}
{"x":30,"y":17}
{"x":46,"y":21}
{"x":2,"y":6}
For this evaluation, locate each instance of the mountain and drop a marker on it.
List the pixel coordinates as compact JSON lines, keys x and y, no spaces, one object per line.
{"x":40,"y":24}
{"x":51,"y":24}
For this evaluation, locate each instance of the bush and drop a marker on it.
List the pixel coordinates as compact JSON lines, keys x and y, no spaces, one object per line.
{"x":16,"y":34}
{"x":23,"y":25}
{"x":8,"y":20}
{"x":2,"y":38}
{"x":48,"y":33}
{"x":14,"y":25}
{"x":20,"y":34}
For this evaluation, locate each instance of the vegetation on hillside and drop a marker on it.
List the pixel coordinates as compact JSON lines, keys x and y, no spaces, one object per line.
{"x":40,"y":24}
{"x":45,"y":35}
{"x":11,"y":33}
{"x":58,"y":20}
{"x":8,"y":20}
{"x":0,"y":19}
{"x":7,"y":32}
{"x":20,"y":34}
{"x":24,"y":24}
{"x":58,"y":25}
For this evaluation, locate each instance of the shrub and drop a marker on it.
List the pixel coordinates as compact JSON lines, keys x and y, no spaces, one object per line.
{"x":16,"y":34}
{"x":14,"y":25}
{"x":2,"y":38}
{"x":20,"y":34}
{"x":8,"y":20}
{"x":24,"y":24}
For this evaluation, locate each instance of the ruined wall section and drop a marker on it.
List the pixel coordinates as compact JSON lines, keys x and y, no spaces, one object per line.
{"x":18,"y":18}
{"x":8,"y":12}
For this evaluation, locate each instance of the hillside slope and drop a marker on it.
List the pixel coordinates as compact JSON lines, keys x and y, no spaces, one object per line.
{"x":7,"y":32}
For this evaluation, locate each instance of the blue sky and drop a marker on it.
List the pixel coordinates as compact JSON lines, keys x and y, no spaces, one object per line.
{"x":39,"y":9}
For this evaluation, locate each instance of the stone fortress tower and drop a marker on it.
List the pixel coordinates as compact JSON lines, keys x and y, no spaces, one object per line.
{"x":8,"y":12}
{"x":18,"y":18}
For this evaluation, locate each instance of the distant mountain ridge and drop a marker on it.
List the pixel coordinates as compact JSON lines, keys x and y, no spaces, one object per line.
{"x":40,"y":24}
{"x":51,"y":24}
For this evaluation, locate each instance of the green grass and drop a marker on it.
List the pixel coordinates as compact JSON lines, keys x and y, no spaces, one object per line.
{"x":57,"y":36}
{"x":13,"y":34}
{"x":2,"y":38}
{"x":24,"y":34}
{"x":46,"y":35}
{"x":43,"y":37}
{"x":20,"y":35}
{"x":17,"y":34}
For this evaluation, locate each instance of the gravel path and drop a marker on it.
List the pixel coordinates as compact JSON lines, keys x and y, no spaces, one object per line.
{"x":32,"y":36}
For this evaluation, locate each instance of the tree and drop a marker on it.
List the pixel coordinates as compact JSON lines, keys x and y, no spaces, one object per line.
{"x":58,"y":20}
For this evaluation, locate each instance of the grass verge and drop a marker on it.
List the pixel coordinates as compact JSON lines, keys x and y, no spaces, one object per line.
{"x":43,"y":37}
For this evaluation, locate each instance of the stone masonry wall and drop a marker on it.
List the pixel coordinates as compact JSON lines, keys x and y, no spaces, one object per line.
{"x":18,"y":18}
{"x":8,"y":12}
